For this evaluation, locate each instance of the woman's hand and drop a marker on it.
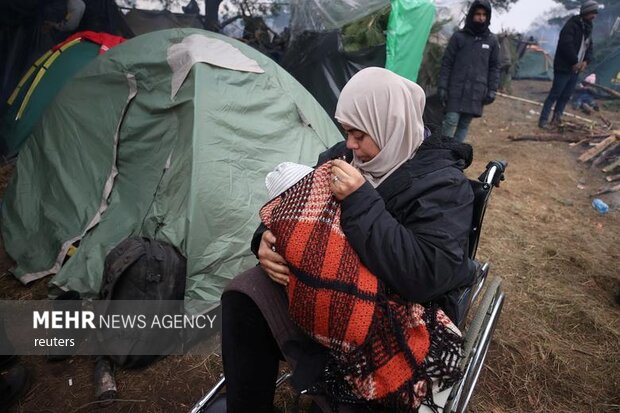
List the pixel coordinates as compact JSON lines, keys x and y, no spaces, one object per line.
{"x":345,"y":179}
{"x":273,"y":263}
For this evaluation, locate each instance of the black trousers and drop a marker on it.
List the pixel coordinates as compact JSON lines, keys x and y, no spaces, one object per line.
{"x":251,"y":356}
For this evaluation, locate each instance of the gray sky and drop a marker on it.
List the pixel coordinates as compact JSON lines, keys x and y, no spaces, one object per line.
{"x":521,"y":15}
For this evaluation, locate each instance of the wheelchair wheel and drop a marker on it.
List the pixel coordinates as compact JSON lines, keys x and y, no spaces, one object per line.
{"x":477,"y":339}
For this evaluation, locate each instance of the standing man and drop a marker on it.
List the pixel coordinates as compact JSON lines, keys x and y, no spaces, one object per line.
{"x":572,"y":55}
{"x":469,"y":74}
{"x":507,"y":52}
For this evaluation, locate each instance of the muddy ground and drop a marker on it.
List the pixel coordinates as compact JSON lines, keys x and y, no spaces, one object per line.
{"x":557,"y":344}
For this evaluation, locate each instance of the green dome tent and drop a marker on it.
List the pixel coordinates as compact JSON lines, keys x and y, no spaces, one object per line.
{"x":534,"y":64}
{"x":168,"y":136}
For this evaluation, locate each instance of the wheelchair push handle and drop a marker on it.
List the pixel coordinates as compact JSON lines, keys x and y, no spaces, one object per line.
{"x":494,"y":173}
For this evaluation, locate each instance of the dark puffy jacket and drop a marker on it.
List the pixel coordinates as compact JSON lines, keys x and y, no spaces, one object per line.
{"x":412,"y":231}
{"x":569,"y":43}
{"x":470,"y":66}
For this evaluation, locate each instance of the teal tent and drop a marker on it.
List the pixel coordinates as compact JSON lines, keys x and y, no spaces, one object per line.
{"x":169,"y":136}
{"x":38,"y":87}
{"x":608,"y":70}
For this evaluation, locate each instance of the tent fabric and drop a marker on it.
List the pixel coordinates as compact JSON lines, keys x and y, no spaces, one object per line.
{"x":318,"y":61}
{"x":114,"y":157}
{"x":23,"y":39}
{"x":197,"y":48}
{"x":608,"y":71}
{"x":327,"y":15}
{"x":535,"y":63}
{"x":105,"y":40}
{"x":37,"y":89}
{"x":146,"y":21}
{"x":40,"y":84}
{"x":408,"y":29}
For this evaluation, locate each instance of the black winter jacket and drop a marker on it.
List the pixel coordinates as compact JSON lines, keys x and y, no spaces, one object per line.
{"x":569,"y":43}
{"x":412,"y":231}
{"x":470,"y":66}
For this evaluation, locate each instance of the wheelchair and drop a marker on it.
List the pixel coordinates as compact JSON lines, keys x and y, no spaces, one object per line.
{"x":477,"y":332}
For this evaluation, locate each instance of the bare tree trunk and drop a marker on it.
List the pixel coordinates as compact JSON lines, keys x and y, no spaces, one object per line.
{"x":212,"y":21}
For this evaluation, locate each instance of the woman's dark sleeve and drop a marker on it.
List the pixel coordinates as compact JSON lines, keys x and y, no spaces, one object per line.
{"x":423,"y":257}
{"x":258,"y":234}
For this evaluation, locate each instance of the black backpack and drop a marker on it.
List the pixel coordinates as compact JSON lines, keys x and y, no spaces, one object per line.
{"x":141,"y":269}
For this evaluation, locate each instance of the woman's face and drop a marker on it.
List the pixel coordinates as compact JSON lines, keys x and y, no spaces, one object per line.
{"x":360,"y":143}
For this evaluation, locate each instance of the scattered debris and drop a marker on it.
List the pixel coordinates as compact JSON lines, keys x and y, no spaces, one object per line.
{"x":607,"y":190}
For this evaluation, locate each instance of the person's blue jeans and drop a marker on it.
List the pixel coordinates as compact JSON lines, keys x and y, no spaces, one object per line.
{"x":455,"y":125}
{"x":583,"y":97}
{"x":561,"y":90}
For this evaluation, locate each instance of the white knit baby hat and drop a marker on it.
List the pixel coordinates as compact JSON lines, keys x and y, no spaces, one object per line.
{"x":284,"y":176}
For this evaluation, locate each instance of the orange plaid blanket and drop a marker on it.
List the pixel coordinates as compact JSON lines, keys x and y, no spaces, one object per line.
{"x":383,"y":349}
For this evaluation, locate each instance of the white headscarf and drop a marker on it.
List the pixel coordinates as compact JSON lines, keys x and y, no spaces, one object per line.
{"x":389,"y":108}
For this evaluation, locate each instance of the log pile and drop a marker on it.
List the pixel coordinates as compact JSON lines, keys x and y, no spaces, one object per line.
{"x":603,"y":148}
{"x":602,"y":140}
{"x":606,"y":156}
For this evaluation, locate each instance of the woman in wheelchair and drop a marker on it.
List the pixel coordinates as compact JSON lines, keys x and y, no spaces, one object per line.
{"x":342,"y":313}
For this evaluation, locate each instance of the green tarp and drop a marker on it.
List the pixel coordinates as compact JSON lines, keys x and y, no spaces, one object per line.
{"x":120,"y":153}
{"x":408,"y":29}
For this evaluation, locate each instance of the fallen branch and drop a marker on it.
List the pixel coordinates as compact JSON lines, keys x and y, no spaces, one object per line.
{"x":591,"y":153}
{"x":540,"y":104}
{"x":607,"y":90}
{"x":613,"y":178}
{"x":547,"y":138}
{"x":589,"y":140}
{"x":607,"y":190}
{"x":579,"y":142}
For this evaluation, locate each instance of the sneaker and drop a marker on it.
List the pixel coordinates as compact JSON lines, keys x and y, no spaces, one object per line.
{"x":13,"y":385}
{"x":542,"y":124}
